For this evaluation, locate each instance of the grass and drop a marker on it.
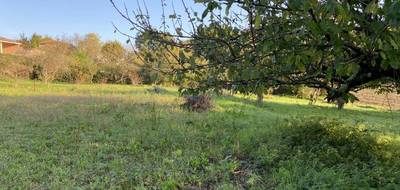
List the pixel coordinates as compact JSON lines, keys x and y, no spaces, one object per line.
{"x":62,"y":136}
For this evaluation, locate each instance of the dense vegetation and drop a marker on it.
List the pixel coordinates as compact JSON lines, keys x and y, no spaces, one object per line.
{"x":79,"y":60}
{"x":56,"y":136}
{"x":249,"y":46}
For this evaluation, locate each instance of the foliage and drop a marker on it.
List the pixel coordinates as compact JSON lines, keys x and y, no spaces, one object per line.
{"x":80,"y":60}
{"x":339,"y":46}
{"x":35,"y":41}
{"x":155,"y":60}
{"x":83,"y":68}
{"x":25,"y":41}
{"x":15,"y":67}
{"x":287,"y":90}
{"x":53,"y":59}
{"x":117,"y":74}
{"x":37,"y":73}
{"x":113,"y":52}
{"x":91,"y":45}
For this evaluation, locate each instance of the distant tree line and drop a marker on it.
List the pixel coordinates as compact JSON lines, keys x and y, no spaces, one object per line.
{"x":83,"y":60}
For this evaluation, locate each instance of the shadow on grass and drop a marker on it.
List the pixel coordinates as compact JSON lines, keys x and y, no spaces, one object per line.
{"x":313,"y":145}
{"x":376,"y":117}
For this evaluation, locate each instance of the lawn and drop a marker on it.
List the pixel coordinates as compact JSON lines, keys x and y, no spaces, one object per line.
{"x":62,"y":136}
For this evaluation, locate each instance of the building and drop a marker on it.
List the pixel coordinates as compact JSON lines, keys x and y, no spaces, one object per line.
{"x":8,"y":46}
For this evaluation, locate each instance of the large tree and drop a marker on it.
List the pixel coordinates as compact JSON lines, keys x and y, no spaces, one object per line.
{"x":155,"y":59}
{"x":113,"y":52}
{"x":53,"y":59}
{"x":91,"y":45}
{"x":337,"y":45}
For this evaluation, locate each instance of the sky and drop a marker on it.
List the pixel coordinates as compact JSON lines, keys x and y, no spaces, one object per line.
{"x":60,"y":18}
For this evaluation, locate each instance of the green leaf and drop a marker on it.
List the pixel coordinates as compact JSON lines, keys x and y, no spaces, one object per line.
{"x":257,"y":22}
{"x":295,"y":4}
{"x":383,"y":55}
{"x":205,"y":13}
{"x":372,"y":8}
{"x":182,"y":56}
{"x":394,"y":44}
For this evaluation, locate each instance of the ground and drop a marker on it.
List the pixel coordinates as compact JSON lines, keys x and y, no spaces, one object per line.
{"x":62,"y":136}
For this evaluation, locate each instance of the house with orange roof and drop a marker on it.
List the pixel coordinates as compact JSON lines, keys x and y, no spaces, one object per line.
{"x":8,"y":46}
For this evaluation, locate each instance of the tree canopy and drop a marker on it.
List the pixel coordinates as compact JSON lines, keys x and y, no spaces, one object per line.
{"x":337,"y":45}
{"x":113,"y":52}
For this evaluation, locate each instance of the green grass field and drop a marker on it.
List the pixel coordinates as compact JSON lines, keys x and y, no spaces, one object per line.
{"x":61,"y":136}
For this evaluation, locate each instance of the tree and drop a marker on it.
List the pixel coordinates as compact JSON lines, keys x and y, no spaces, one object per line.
{"x":82,"y":68}
{"x":117,"y":65}
{"x":53,"y":60}
{"x":339,"y":46}
{"x":23,"y":39}
{"x":154,"y":60}
{"x":113,"y":52}
{"x":35,"y":41}
{"x":91,"y":45}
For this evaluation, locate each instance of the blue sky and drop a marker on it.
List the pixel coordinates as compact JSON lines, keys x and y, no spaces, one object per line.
{"x":59,"y":18}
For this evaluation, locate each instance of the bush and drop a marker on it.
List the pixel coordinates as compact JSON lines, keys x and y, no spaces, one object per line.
{"x":37,"y":73}
{"x":15,"y":67}
{"x":199,"y":103}
{"x":116,"y":75}
{"x":66,"y":76}
{"x":150,"y":76}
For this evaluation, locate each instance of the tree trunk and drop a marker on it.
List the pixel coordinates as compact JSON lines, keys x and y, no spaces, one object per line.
{"x":340,"y":103}
{"x":260,"y":98}
{"x":314,"y":96}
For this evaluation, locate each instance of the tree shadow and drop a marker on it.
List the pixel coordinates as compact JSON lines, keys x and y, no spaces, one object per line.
{"x":370,"y":116}
{"x":340,"y":147}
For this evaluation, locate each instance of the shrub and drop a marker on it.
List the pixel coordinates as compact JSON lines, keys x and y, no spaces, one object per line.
{"x":66,"y":76}
{"x":199,"y":103}
{"x":37,"y":72}
{"x":76,"y":73}
{"x":116,"y":75}
{"x":15,"y":67}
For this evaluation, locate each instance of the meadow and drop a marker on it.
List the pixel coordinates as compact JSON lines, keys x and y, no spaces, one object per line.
{"x":65,"y":136}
